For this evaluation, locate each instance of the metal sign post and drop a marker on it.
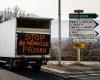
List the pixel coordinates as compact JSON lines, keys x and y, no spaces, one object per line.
{"x":79,"y":46}
{"x":59,"y":33}
{"x":78,"y":55}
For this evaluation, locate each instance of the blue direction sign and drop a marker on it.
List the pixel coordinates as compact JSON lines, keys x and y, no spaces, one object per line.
{"x":87,"y":15}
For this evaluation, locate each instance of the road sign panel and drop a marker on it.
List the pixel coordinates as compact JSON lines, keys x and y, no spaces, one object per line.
{"x":87,"y":15}
{"x":79,"y":45}
{"x":84,"y":40}
{"x":78,"y":11}
{"x":82,"y":24}
{"x":82,"y":33}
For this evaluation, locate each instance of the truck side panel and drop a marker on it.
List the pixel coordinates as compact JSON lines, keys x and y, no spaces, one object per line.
{"x":7,"y":38}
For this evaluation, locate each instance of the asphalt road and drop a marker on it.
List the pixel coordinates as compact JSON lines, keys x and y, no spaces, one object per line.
{"x":29,"y":74}
{"x":44,"y":74}
{"x":86,"y":74}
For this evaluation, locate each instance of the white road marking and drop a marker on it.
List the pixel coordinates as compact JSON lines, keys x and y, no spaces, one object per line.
{"x":93,"y":74}
{"x":54,"y":70}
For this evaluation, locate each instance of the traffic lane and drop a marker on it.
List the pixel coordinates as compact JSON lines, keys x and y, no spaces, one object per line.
{"x":37,"y":75}
{"x":9,"y":75}
{"x":28,"y":74}
{"x":92,"y":74}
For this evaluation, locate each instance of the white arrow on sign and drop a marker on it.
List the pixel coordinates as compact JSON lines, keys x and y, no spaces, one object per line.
{"x":82,"y":33}
{"x":82,"y":24}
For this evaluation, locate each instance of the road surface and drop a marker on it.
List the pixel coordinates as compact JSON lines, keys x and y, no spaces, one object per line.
{"x":29,"y":74}
{"x":48,"y":74}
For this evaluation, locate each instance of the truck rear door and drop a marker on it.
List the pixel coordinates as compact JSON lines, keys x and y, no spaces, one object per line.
{"x":33,"y":36}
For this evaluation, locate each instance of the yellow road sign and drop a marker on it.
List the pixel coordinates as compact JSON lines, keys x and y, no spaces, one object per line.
{"x":79,"y":45}
{"x":78,"y":11}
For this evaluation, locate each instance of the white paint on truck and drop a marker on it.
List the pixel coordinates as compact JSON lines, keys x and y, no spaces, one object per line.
{"x":7,"y":38}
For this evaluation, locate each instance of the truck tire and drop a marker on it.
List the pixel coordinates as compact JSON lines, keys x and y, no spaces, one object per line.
{"x":2,"y":64}
{"x":36,"y":67}
{"x":23,"y":64}
{"x":11,"y":64}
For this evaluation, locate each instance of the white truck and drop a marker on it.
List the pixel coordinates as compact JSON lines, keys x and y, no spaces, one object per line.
{"x":25,"y":41}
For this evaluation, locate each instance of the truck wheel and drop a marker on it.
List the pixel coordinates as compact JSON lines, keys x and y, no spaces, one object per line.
{"x":23,"y":66}
{"x":2,"y":64}
{"x":36,"y":67}
{"x":11,"y":64}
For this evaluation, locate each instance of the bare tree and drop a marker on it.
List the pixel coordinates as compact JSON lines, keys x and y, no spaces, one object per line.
{"x":16,"y":11}
{"x":11,"y":13}
{"x":87,"y":52}
{"x":21,"y":13}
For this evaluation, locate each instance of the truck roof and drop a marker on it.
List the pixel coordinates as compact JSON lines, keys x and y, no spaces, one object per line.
{"x":27,"y":22}
{"x":34,"y":18}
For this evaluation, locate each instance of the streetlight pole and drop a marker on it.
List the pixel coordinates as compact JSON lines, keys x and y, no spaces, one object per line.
{"x":59,"y":33}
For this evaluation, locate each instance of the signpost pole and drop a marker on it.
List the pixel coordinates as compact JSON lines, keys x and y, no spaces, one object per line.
{"x":59,"y":33}
{"x":79,"y":46}
{"x":78,"y":49}
{"x":78,"y":55}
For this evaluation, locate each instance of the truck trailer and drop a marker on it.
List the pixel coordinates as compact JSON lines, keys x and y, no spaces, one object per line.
{"x":25,"y":42}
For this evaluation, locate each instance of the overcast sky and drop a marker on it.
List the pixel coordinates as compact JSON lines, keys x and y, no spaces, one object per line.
{"x":49,"y":8}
